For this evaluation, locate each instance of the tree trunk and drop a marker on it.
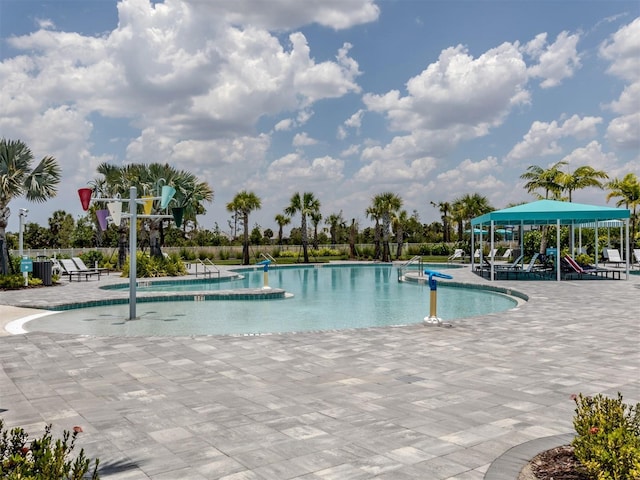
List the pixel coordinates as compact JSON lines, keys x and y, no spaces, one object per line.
{"x":4,"y":251}
{"x":352,"y":240}
{"x":400,"y":240}
{"x":122,"y":246}
{"x":245,"y":242}
{"x":386,"y":251}
{"x":154,"y":239}
{"x":305,"y":239}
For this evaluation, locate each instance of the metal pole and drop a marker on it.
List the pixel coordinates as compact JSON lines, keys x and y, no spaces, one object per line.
{"x":133,"y":225}
{"x":22,"y":214}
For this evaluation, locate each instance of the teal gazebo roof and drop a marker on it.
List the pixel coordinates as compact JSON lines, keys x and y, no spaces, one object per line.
{"x":545,"y":212}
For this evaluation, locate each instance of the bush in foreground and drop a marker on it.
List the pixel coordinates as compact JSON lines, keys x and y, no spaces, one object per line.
{"x":608,"y":437}
{"x":43,"y":458}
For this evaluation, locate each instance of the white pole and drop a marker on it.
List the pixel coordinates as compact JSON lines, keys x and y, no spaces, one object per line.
{"x":133,"y":225}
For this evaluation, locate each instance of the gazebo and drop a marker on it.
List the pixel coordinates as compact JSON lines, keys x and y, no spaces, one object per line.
{"x":553,"y":212}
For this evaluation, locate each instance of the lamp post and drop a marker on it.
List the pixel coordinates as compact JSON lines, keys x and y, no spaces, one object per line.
{"x":167,"y":194}
{"x":22,"y":215}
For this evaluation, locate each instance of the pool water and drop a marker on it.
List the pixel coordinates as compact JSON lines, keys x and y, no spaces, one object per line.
{"x":326,"y":298}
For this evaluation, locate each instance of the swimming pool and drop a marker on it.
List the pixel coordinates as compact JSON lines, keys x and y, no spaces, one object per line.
{"x":324,"y":298}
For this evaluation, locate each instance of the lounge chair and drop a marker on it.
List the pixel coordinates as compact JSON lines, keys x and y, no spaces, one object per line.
{"x":487,"y":266}
{"x":573,"y":270}
{"x":69,"y":268}
{"x":613,"y":256}
{"x":636,"y":257}
{"x":513,"y":265}
{"x":532,"y":269}
{"x":457,"y":254}
{"x":506,"y":255}
{"x":83,"y":267}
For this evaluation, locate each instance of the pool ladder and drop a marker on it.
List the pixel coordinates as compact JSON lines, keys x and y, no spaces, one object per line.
{"x":405,"y":266}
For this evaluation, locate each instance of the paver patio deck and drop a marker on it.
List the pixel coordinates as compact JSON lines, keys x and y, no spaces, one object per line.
{"x":412,"y":402}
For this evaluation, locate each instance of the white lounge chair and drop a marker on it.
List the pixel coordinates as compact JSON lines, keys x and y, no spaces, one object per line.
{"x":507,"y":254}
{"x":613,"y":256}
{"x":636,"y":257}
{"x":457,"y":254}
{"x":69,"y":268}
{"x":83,"y":267}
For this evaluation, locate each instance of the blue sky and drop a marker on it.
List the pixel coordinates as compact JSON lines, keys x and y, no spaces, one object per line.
{"x":427,"y":99}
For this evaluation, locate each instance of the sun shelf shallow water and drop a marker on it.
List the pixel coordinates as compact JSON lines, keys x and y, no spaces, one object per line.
{"x":325,"y":298}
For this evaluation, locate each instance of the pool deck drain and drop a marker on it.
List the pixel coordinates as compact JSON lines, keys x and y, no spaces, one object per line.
{"x":385,"y":403}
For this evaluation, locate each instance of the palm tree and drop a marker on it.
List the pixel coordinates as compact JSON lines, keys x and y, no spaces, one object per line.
{"x":582,"y":177}
{"x":148,"y":179}
{"x":399,"y":223}
{"x":387,"y":204}
{"x":281,"y":220}
{"x":469,"y":206}
{"x":306,"y":204}
{"x":244,"y":203}
{"x":549,"y":180}
{"x":19,"y":177}
{"x":628,"y":192}
{"x":336,"y":224}
{"x":374,"y":214}
{"x":458,"y":216}
{"x":445,"y":208}
{"x":316,"y":217}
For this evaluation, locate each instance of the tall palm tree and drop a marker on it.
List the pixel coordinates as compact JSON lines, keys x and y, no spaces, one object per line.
{"x":582,"y":177}
{"x":148,"y":180}
{"x":18,"y":177}
{"x":387,"y":204}
{"x":469,"y":206}
{"x":336,"y":224}
{"x":628,"y":192}
{"x":244,"y":203}
{"x":458,"y":215}
{"x":306,"y":204}
{"x":399,"y":224}
{"x":549,"y":180}
{"x":373,"y":213}
{"x":316,"y":217}
{"x":445,"y":208}
{"x":281,"y":220}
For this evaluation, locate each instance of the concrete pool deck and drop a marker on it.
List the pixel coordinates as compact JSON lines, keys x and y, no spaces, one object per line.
{"x":411,"y":402}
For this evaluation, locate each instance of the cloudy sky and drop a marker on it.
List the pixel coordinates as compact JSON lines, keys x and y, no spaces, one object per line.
{"x":343,"y":98}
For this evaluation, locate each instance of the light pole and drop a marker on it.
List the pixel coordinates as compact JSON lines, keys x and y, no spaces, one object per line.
{"x":167,"y":194}
{"x":22,"y":215}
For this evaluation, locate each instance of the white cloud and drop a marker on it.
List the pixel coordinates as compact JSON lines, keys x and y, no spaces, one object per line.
{"x":458,"y":90}
{"x":303,"y":140}
{"x":542,"y":138}
{"x":624,"y":132}
{"x":557,"y":61}
{"x":623,"y":51}
{"x":591,"y":155}
{"x":294,"y":167}
{"x":287,"y":14}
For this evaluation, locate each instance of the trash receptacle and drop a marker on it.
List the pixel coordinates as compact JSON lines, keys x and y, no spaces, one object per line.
{"x":43,"y":270}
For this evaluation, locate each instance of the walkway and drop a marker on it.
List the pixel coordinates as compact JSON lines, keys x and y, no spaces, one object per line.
{"x":397,"y":403}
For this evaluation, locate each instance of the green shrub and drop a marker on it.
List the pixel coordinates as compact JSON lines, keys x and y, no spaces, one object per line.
{"x":147,"y":266}
{"x":44,"y":458}
{"x":584,"y":260}
{"x":608,"y":437}
{"x":11,"y":282}
{"x":187,"y":254}
{"x":92,"y":257}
